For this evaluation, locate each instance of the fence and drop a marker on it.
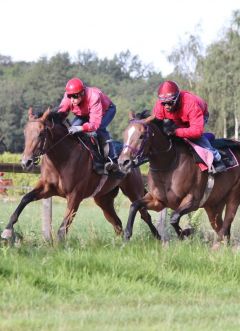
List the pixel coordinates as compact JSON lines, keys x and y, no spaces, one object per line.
{"x":46,"y":204}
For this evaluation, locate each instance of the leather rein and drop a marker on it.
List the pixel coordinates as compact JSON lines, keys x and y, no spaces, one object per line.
{"x":138,"y":153}
{"x":41,"y":150}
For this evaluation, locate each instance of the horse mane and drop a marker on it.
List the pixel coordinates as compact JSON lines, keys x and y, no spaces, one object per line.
{"x":53,"y":116}
{"x":144,"y":114}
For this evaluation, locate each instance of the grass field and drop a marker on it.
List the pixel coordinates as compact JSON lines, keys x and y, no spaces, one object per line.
{"x":94,"y":282}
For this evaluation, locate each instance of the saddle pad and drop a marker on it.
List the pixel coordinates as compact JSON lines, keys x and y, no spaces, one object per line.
{"x":205,"y":155}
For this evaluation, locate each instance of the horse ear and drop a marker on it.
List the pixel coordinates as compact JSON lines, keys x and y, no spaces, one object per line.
{"x":30,"y":114}
{"x":45,"y":114}
{"x":131,"y":115}
{"x":148,"y":119}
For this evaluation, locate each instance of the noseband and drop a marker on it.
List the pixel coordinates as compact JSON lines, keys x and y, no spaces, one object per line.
{"x":42,"y":149}
{"x":138,"y":153}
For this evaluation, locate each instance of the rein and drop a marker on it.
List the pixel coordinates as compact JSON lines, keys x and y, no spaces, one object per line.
{"x":139,"y":152}
{"x":42,"y":150}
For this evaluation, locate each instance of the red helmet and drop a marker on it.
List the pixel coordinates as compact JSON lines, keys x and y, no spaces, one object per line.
{"x":168,"y":91}
{"x":74,"y":85}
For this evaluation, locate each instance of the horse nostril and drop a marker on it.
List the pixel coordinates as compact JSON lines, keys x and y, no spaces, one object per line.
{"x":26,"y":164}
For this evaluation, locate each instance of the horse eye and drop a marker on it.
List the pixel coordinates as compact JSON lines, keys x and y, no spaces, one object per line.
{"x":142,"y":136}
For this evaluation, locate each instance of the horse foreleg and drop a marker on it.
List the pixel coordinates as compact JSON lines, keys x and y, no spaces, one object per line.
{"x":106,"y":203}
{"x":147,"y":218}
{"x":134,"y":190}
{"x":184,"y":208}
{"x":73,"y":203}
{"x":142,"y":205}
{"x":34,"y":195}
{"x":135,"y":206}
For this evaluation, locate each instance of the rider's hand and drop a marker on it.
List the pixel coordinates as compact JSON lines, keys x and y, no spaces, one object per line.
{"x":75,"y":128}
{"x":170,"y":132}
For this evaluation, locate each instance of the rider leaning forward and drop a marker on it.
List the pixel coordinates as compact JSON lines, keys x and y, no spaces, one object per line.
{"x":189,"y":112}
{"x":93,"y":111}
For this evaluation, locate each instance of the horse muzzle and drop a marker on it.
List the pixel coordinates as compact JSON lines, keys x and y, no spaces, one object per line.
{"x":27,"y":163}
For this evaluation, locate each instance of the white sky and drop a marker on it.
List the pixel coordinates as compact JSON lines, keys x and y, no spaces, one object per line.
{"x":150,"y":29}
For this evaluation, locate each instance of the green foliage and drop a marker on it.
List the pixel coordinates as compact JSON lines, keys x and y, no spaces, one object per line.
{"x":23,"y":182}
{"x":132,"y":85}
{"x":94,"y":282}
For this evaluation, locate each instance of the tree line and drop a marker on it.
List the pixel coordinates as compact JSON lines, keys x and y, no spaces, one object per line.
{"x":212,"y":73}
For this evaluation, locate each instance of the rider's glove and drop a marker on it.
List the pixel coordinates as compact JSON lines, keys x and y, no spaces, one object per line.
{"x":170,"y":132}
{"x":169,"y":127}
{"x":75,"y":128}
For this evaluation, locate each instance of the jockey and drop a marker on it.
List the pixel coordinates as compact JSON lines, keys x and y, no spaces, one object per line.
{"x":93,"y":111}
{"x":189,"y":112}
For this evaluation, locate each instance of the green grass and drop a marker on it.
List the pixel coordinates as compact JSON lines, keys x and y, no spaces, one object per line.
{"x":94,"y":282}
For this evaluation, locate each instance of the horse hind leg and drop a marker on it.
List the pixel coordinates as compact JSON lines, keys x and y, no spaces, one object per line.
{"x":106,"y":203}
{"x":215,"y":216}
{"x":230,"y":212}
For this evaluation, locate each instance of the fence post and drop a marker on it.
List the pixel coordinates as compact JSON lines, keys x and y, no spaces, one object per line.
{"x":47,"y":219}
{"x":161,"y":224}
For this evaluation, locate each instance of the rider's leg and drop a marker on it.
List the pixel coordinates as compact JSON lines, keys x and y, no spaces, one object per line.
{"x":205,"y":143}
{"x":103,"y":132}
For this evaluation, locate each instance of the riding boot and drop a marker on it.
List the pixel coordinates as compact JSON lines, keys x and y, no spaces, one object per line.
{"x":98,"y":158}
{"x":111,"y":165}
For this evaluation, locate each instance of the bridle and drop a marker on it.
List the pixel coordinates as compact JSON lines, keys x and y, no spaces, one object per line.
{"x":42,"y":148}
{"x":138,"y":153}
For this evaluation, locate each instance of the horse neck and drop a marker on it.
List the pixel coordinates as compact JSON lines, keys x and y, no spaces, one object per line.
{"x":162,"y":152}
{"x":61,"y":147}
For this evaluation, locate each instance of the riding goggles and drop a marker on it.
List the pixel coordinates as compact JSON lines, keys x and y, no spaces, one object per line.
{"x":75,"y":95}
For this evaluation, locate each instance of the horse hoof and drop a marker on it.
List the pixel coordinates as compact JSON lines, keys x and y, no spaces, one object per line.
{"x":165,"y":244}
{"x":126,"y":236}
{"x":7,"y":234}
{"x":187,"y":232}
{"x":216,"y":246}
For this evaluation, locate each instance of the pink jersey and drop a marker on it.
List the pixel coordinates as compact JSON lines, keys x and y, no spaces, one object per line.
{"x":189,"y":117}
{"x":94,"y":105}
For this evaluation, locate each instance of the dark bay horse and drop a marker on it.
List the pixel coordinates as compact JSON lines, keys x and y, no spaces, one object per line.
{"x":174,"y":179}
{"x":67,"y":171}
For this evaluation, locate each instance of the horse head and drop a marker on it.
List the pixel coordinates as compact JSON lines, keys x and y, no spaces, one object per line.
{"x":35,"y":136}
{"x":136,"y":141}
{"x":145,"y":139}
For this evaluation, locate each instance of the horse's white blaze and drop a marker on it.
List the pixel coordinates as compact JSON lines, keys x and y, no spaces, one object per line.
{"x":130,"y":133}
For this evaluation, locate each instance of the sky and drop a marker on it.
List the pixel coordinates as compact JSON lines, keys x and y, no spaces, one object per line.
{"x":150,"y":29}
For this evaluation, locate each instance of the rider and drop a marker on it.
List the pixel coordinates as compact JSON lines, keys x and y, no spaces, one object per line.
{"x":189,"y":112}
{"x":93,"y":111}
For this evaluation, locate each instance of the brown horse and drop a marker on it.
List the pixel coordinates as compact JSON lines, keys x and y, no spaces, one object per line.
{"x":174,"y":179}
{"x":67,"y":171}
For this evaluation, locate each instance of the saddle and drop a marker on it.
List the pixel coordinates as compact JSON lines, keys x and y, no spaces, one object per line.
{"x":225,"y":148}
{"x":99,"y":151}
